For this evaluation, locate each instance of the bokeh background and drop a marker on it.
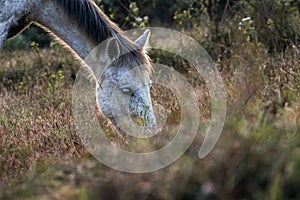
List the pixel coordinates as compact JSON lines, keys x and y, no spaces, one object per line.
{"x":256,"y":47}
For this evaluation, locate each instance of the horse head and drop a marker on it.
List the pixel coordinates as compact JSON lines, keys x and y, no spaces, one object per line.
{"x":123,"y":94}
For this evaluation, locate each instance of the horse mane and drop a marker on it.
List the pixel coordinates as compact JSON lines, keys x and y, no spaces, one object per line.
{"x":99,"y":27}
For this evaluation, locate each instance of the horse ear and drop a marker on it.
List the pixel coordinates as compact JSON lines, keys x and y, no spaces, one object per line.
{"x":112,"y":49}
{"x":143,"y":40}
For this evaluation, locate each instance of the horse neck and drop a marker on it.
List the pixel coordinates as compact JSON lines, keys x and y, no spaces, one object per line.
{"x":54,"y":19}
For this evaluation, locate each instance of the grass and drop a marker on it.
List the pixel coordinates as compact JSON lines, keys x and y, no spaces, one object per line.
{"x":35,"y":111}
{"x":257,"y":156}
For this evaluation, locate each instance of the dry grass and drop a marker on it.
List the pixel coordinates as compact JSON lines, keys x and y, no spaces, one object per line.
{"x":36,"y":119}
{"x":257,"y":157}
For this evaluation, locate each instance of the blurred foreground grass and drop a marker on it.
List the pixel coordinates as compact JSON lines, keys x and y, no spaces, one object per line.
{"x":257,"y":156}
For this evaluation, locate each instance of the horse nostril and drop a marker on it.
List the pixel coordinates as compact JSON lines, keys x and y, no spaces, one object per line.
{"x":133,"y":115}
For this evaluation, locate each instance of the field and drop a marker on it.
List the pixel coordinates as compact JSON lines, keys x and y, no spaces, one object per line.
{"x":256,"y":157}
{"x":41,"y":156}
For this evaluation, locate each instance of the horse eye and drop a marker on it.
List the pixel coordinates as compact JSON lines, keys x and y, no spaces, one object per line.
{"x":127,"y":91}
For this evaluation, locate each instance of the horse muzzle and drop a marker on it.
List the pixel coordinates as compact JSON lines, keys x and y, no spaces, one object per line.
{"x":141,"y":110}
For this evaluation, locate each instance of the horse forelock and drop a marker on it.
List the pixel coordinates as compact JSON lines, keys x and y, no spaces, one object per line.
{"x":99,"y":27}
{"x":133,"y":56}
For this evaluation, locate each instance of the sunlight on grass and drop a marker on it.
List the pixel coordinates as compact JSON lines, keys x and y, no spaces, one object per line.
{"x":257,"y":156}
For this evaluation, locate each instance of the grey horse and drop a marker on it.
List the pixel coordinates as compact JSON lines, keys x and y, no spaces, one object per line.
{"x":81,"y":26}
